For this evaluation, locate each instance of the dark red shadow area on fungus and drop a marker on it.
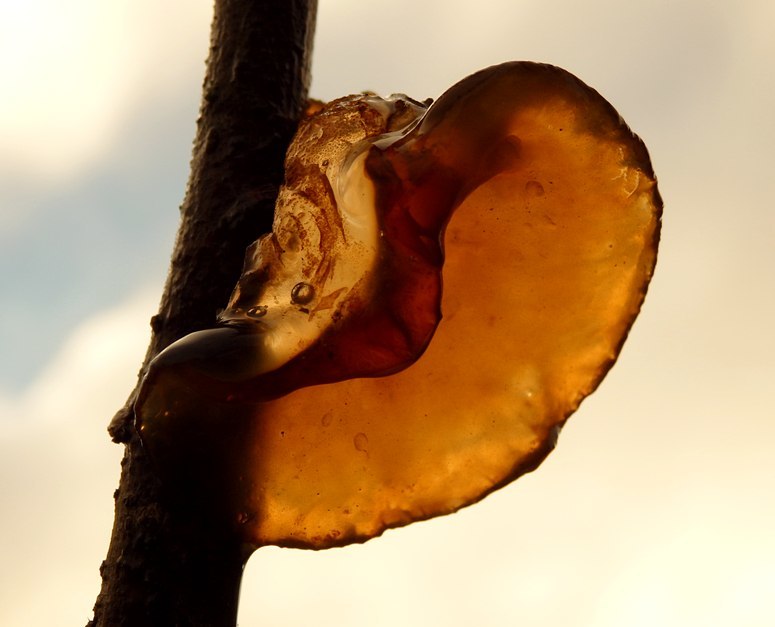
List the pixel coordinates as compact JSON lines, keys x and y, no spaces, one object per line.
{"x":441,"y":289}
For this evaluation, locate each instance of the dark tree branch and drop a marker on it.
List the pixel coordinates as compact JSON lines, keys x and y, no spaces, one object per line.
{"x":167,"y":565}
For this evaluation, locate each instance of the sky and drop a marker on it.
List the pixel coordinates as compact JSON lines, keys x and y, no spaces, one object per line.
{"x":656,"y":508}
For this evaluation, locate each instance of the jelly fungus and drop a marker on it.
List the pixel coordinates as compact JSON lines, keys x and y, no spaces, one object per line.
{"x":344,"y":391}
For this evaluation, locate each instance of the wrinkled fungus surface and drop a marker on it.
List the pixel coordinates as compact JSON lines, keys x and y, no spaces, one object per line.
{"x":443,"y":286}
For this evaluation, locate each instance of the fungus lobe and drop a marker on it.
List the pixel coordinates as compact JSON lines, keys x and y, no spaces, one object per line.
{"x":443,"y":285}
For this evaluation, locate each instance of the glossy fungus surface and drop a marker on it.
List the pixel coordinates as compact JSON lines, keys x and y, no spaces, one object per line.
{"x":444,"y":284}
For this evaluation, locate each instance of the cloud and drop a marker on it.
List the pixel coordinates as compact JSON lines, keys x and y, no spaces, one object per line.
{"x":75,"y":70}
{"x":58,"y":469}
{"x":88,"y":199}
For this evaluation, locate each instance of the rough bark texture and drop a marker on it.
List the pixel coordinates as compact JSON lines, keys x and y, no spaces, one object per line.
{"x":168,"y":564}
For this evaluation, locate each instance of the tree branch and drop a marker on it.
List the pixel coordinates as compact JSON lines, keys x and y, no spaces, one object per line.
{"x":170,"y":564}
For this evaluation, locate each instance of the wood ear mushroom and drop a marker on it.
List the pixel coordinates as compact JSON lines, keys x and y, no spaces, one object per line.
{"x":443,"y":286}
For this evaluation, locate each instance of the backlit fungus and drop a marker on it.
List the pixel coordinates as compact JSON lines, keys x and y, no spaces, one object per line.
{"x":444,"y":284}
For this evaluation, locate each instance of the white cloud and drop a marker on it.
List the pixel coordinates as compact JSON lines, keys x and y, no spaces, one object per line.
{"x":58,"y":469}
{"x":72,"y":70}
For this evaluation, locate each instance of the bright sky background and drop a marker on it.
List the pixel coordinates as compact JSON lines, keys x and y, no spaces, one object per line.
{"x":657,"y":507}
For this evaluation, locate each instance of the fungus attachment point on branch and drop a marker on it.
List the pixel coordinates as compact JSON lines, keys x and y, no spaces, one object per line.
{"x":344,"y":391}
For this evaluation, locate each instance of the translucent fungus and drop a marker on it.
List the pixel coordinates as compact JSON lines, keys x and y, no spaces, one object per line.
{"x":344,"y":391}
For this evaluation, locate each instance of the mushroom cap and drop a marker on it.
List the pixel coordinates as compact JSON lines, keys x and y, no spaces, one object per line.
{"x":442,"y":288}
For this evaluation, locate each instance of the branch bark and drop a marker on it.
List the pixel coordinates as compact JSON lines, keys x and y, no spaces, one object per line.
{"x":170,"y":564}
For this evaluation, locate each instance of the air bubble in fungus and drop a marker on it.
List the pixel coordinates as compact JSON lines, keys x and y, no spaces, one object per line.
{"x":302,"y":293}
{"x":450,"y":279}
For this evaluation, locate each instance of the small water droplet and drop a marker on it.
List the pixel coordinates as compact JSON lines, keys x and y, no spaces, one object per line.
{"x":243,"y":517}
{"x":257,"y":312}
{"x":302,"y":293}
